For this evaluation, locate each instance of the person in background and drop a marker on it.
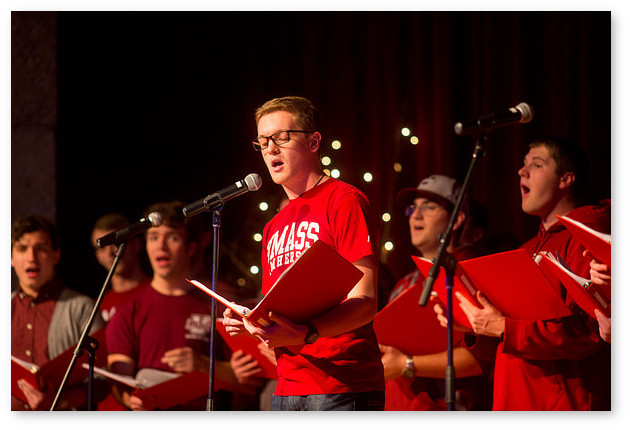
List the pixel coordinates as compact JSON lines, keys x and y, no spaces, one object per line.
{"x":47,"y":317}
{"x":128,"y":279}
{"x":167,"y":325}
{"x":417,"y":382}
{"x":560,"y":364}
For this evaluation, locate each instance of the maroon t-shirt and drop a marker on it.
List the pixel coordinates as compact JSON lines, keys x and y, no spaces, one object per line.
{"x":113,"y":299}
{"x":152,"y":323}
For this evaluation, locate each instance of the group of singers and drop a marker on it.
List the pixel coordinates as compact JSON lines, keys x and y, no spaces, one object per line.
{"x":162,"y":322}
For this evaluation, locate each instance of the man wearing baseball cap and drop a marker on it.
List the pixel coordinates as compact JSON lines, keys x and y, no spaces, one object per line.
{"x":417,"y":382}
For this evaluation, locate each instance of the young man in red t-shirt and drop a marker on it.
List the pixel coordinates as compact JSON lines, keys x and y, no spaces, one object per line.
{"x":339,"y":366}
{"x":560,"y":364}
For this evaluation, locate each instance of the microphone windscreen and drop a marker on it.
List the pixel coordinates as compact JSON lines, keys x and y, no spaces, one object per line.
{"x":527,"y":112}
{"x":155,"y":218}
{"x":253,"y":181}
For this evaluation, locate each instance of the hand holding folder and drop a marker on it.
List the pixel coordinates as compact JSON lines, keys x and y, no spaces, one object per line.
{"x":586,"y":294}
{"x":597,"y":243}
{"x":411,"y":328}
{"x":316,"y":282}
{"x":52,"y":373}
{"x":510,"y":280}
{"x":165,"y":389}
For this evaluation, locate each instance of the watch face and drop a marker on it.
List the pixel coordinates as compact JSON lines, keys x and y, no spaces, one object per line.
{"x":312,"y":334}
{"x":311,"y":338}
{"x":408,"y":372}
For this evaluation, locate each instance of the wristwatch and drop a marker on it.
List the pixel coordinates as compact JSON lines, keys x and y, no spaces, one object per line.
{"x":312,"y":335}
{"x":409,"y":371}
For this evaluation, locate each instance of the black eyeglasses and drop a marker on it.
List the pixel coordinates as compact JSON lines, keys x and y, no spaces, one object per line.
{"x":279,"y":138}
{"x":428,"y":209}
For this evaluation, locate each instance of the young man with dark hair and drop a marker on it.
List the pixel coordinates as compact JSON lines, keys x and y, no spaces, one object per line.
{"x":338,"y":366}
{"x":47,"y":318}
{"x":559,"y":364}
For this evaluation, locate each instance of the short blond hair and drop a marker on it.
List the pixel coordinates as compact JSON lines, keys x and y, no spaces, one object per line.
{"x":305,"y":112}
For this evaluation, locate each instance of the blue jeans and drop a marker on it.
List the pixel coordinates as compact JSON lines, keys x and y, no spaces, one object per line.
{"x":368,"y":401}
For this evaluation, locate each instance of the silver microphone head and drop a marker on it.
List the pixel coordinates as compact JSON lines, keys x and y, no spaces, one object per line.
{"x":253,"y":181}
{"x":155,"y":218}
{"x":527,"y":112}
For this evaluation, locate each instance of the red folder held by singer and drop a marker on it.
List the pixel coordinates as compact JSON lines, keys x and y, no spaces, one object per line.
{"x":587,"y":295}
{"x":597,"y":243}
{"x":511,"y":281}
{"x":411,"y":328}
{"x":54,"y":370}
{"x":249,"y":346}
{"x":317,"y":281}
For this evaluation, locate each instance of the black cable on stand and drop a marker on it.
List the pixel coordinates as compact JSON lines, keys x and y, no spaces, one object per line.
{"x":216,"y":226}
{"x":214,"y":203}
{"x":88,"y":343}
{"x":441,"y":260}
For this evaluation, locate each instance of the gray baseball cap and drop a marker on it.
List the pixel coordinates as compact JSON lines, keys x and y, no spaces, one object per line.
{"x":440,"y":188}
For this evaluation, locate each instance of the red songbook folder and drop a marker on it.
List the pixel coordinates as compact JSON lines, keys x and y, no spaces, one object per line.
{"x":317,"y":281}
{"x":598,"y":244}
{"x":54,"y":370}
{"x":512,"y":282}
{"x":439,"y":288}
{"x":411,"y":328}
{"x":249,"y":346}
{"x":168,"y":389}
{"x":587,"y":295}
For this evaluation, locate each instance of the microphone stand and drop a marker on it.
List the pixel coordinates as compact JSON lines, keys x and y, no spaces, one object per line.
{"x":86,"y":342}
{"x":216,"y":226}
{"x":440,"y":258}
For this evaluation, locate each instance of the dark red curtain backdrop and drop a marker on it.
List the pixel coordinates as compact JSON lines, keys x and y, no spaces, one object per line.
{"x":155,"y":106}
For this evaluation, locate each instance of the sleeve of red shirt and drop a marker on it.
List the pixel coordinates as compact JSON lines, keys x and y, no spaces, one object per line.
{"x":355,"y":226}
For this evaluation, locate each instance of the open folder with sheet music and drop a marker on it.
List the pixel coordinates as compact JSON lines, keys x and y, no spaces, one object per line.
{"x":52,"y":372}
{"x":318,"y":280}
{"x":512,"y":282}
{"x":587,"y":295}
{"x":167,"y":389}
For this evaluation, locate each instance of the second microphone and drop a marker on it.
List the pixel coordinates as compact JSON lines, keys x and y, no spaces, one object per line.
{"x":252,"y":182}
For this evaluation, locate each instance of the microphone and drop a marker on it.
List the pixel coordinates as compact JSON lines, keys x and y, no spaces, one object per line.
{"x":154,"y":219}
{"x":522,"y":113}
{"x":252,"y":182}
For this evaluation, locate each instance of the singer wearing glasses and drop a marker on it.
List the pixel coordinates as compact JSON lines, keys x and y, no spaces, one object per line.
{"x":416,"y":383}
{"x":339,"y":365}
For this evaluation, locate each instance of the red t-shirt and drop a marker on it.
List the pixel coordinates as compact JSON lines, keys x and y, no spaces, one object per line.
{"x":340,"y":215}
{"x":559,"y":364}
